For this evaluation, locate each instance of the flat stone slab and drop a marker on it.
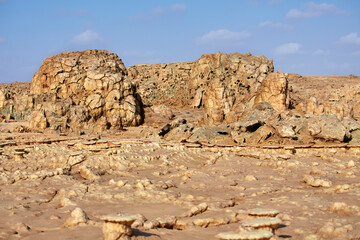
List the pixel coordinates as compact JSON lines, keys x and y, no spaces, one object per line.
{"x":122,"y":218}
{"x":251,"y":235}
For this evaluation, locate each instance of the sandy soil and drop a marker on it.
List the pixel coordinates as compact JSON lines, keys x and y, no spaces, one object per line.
{"x":316,"y":189}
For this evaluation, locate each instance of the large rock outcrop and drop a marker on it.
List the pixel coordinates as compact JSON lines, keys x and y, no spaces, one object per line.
{"x":84,"y":91}
{"x":220,"y":82}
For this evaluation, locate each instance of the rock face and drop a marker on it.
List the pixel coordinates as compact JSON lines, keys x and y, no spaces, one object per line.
{"x":162,"y":83}
{"x":274,"y":90}
{"x":15,"y":102}
{"x":221,"y":83}
{"x":86,"y":90}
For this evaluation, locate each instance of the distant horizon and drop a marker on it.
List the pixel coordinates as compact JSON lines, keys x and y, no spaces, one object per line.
{"x":309,"y":38}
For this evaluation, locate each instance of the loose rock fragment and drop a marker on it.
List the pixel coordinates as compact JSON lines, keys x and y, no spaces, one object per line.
{"x":250,"y":178}
{"x":86,"y":173}
{"x":78,"y":216}
{"x":118,"y":226}
{"x":19,"y":155}
{"x":311,"y":181}
{"x":267,"y":224}
{"x":341,"y":207}
{"x":262,"y":212}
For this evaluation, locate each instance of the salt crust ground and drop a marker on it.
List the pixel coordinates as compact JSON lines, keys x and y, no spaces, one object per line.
{"x":162,"y":180}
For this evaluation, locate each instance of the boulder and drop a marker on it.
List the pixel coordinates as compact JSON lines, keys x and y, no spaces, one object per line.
{"x":170,"y":126}
{"x":211,"y":134}
{"x":163,"y":110}
{"x":180,"y":133}
{"x":87,"y":90}
{"x":261,"y":134}
{"x":328,"y":127}
{"x":257,"y":116}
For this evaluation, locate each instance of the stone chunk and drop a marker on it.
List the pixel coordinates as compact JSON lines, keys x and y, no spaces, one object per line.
{"x":327,"y":127}
{"x":263,"y":212}
{"x":78,"y":216}
{"x":316,"y":182}
{"x":267,"y":224}
{"x":274,"y":90}
{"x":118,"y":226}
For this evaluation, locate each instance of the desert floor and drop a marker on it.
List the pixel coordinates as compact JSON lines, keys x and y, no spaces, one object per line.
{"x":190,"y":191}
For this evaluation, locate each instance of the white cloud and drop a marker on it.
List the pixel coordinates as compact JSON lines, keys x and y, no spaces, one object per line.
{"x":87,"y":37}
{"x":351,"y":38}
{"x":288,"y":48}
{"x":313,"y":10}
{"x":223,"y":36}
{"x":275,"y":25}
{"x":321,"y":52}
{"x":159,"y":11}
{"x":2,"y":40}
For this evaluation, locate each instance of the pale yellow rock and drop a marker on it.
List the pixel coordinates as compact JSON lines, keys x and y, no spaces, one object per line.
{"x":86,"y":173}
{"x":250,"y":235}
{"x":73,"y":97}
{"x":316,"y":182}
{"x":250,"y":178}
{"x":118,"y":226}
{"x":351,"y":164}
{"x":78,"y":216}
{"x":64,"y":201}
{"x":274,"y":90}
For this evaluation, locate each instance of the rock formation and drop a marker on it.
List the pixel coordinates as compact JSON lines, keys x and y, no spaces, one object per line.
{"x":221,"y":83}
{"x":15,"y":102}
{"x":274,"y":90}
{"x":86,"y":90}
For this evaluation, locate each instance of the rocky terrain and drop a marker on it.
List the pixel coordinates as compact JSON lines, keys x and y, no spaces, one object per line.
{"x":190,"y":150}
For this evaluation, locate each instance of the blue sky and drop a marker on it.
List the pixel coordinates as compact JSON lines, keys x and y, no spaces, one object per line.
{"x":305,"y":37}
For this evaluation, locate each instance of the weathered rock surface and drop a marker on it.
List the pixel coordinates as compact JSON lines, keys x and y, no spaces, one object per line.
{"x":90,"y":92}
{"x":274,"y":90}
{"x":85,"y":91}
{"x":221,"y":83}
{"x":328,"y":127}
{"x":15,"y":102}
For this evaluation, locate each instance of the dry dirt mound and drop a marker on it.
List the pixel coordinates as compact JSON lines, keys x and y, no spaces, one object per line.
{"x":86,"y":90}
